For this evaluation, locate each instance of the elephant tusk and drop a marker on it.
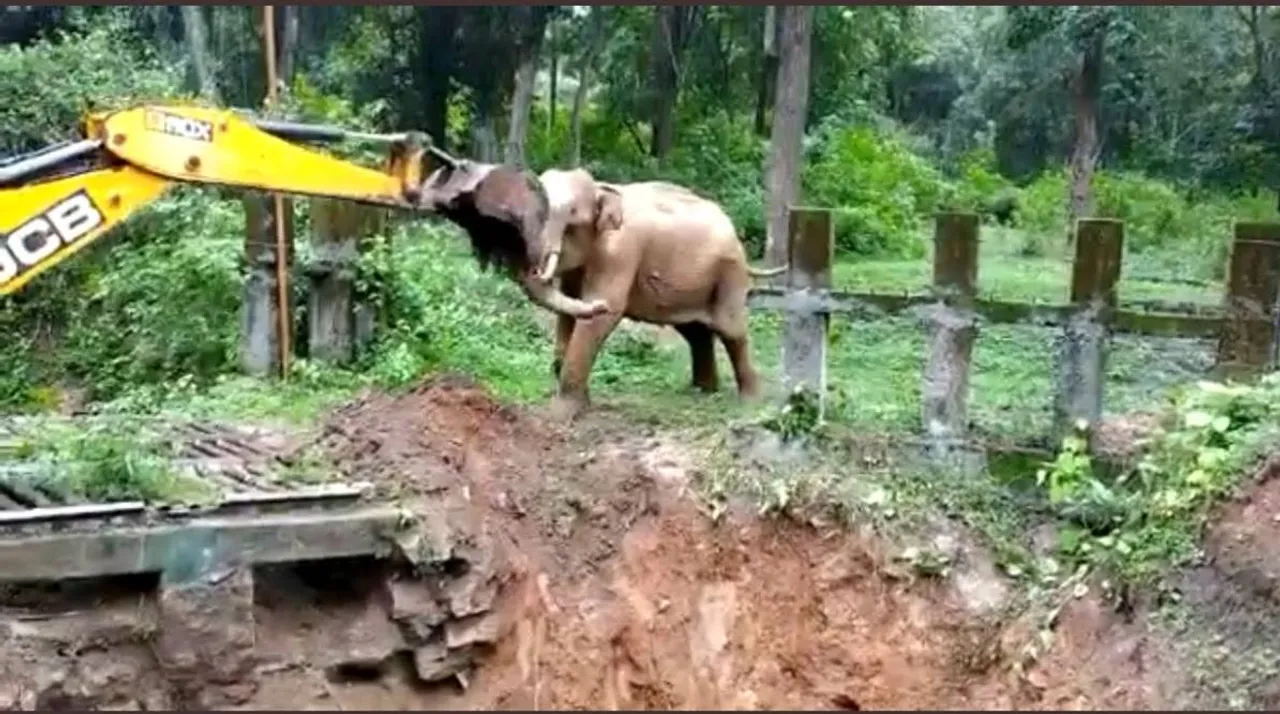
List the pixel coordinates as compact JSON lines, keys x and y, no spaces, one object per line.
{"x":549,"y":268}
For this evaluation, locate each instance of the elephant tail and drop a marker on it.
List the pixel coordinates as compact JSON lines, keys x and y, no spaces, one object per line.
{"x":767,"y":272}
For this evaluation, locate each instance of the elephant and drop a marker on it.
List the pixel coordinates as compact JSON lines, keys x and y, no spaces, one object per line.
{"x":502,"y":209}
{"x":655,"y":252}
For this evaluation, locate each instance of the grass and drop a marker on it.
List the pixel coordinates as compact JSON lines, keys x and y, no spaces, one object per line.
{"x":1004,"y":274}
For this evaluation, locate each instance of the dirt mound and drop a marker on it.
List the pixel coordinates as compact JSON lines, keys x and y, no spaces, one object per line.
{"x":491,"y":472}
{"x":618,"y":592}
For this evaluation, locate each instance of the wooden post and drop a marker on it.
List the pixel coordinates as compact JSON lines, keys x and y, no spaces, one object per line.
{"x":952,"y":327}
{"x":259,"y":318}
{"x":804,"y":340}
{"x":1247,"y":344}
{"x":1081,"y":352}
{"x":284,"y":321}
{"x":338,"y":228}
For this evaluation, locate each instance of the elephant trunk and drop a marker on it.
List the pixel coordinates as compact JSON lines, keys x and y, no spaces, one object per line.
{"x":552,"y":242}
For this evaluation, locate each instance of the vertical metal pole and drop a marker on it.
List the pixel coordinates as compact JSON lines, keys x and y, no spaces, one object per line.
{"x":282,"y":249}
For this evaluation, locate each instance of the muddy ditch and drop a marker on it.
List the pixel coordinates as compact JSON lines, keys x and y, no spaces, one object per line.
{"x":572,"y":568}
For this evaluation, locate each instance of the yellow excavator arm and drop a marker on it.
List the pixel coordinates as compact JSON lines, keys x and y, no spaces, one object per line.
{"x":55,"y":202}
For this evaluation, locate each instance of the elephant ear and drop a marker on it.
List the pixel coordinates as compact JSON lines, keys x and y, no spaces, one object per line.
{"x":608,"y":209}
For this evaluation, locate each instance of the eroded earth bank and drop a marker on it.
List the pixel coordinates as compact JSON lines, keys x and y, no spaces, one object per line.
{"x":576,"y":569}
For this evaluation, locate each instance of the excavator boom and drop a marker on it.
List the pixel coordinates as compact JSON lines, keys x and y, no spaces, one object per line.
{"x":48,"y":222}
{"x":58,"y":201}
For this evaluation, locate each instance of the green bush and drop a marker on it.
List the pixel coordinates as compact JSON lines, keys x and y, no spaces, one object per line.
{"x":723,"y":160}
{"x":50,"y":86}
{"x":163,"y":302}
{"x":1044,"y":207}
{"x":978,"y":182}
{"x":1162,"y":225}
{"x":879,"y":188}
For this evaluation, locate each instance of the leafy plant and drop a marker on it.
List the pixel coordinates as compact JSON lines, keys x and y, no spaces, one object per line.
{"x":880,"y":190}
{"x":797,"y":417}
{"x":1148,"y":519}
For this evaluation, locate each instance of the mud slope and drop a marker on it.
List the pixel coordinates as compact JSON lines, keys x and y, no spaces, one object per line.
{"x":617,"y":592}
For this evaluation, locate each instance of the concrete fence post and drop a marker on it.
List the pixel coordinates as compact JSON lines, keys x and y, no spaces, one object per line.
{"x":1081,"y":353}
{"x":259,"y":353}
{"x":952,"y":328}
{"x":1247,"y":344}
{"x":338,"y":229}
{"x":804,"y":341}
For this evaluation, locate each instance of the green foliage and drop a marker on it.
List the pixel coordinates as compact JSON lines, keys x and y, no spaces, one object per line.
{"x":797,"y":417}
{"x":1044,"y":204}
{"x":1147,"y":519}
{"x":166,"y":303}
{"x":978,"y":181}
{"x":881,"y":190}
{"x":723,"y":158}
{"x":1160,"y":220}
{"x":51,"y":85}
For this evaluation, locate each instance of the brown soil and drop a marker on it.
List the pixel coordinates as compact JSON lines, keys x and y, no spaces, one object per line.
{"x":623,"y":594}
{"x":616,"y":591}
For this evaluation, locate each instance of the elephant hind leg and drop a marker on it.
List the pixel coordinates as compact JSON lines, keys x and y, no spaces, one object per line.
{"x":702,"y":350}
{"x":739,"y":349}
{"x":729,"y":315}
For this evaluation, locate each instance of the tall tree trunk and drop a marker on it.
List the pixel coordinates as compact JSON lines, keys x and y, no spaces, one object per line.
{"x":530,"y":42}
{"x":786,"y":140}
{"x":595,"y":42}
{"x":484,"y":135}
{"x":768,"y":70}
{"x":1086,"y":97}
{"x":521,"y":102}
{"x":433,"y":67}
{"x":287,"y":46}
{"x":672,"y":28}
{"x":664,"y":80}
{"x":197,"y":33}
{"x":553,"y":89}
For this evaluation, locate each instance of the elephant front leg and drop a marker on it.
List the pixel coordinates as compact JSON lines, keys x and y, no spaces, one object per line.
{"x":579,"y":356}
{"x":570,"y":285}
{"x":585,"y":341}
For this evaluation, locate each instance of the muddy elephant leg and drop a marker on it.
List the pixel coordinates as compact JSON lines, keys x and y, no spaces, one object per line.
{"x":579,"y":355}
{"x":571,"y":286}
{"x":702,"y":352}
{"x":587,"y":338}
